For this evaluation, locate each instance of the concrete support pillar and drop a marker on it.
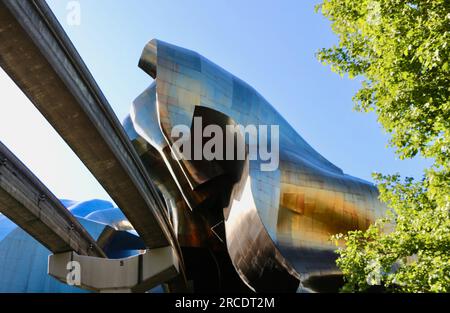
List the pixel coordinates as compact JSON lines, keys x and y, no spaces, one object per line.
{"x":138,"y":273}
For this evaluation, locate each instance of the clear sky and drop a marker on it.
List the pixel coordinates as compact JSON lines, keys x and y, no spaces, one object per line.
{"x":269,"y":44}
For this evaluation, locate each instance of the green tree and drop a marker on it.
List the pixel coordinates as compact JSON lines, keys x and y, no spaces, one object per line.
{"x":401,"y":50}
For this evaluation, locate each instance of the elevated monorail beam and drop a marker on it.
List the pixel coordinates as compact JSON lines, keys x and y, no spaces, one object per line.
{"x":40,"y":58}
{"x":27,"y":202}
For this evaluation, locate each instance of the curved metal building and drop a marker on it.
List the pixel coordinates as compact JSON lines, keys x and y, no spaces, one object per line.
{"x":273,"y":226}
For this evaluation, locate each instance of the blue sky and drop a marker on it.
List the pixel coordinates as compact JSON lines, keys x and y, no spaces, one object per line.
{"x":269,"y":44}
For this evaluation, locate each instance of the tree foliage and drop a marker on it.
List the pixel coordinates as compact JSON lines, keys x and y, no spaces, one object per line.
{"x":401,"y":49}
